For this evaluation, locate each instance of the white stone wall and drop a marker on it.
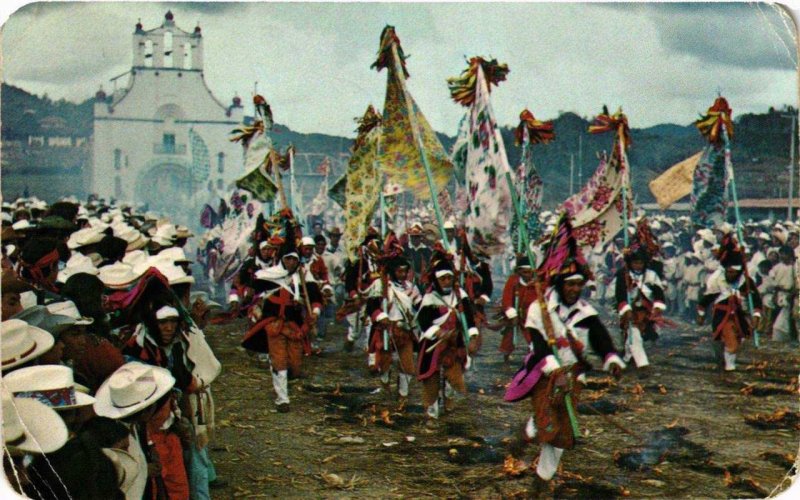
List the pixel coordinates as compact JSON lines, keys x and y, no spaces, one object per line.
{"x":159,"y":101}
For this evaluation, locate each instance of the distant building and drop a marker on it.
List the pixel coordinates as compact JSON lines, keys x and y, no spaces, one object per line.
{"x":142,"y":151}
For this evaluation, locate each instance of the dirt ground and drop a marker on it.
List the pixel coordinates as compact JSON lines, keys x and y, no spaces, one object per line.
{"x":690,"y":435}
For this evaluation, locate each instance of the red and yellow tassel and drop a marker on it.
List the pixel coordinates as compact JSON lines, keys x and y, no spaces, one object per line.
{"x":538,"y":132}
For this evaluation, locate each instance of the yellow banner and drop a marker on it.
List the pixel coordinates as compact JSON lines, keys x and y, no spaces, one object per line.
{"x":675,"y":182}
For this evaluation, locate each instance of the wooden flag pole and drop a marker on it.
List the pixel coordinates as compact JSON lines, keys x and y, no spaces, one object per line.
{"x":428,"y":175}
{"x":739,"y":233}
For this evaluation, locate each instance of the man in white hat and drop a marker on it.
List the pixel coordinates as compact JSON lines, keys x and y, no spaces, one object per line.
{"x":22,"y":343}
{"x":130,"y":394}
{"x":29,"y":428}
{"x":54,"y":386}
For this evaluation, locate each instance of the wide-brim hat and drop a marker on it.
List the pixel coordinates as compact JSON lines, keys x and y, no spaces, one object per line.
{"x":118,"y":275}
{"x":174,"y":254}
{"x":212,"y":305}
{"x":53,"y":385}
{"x":40,"y":317}
{"x":54,"y":222}
{"x":86,"y":236}
{"x":182,"y":232}
{"x":132,"y":388}
{"x":334,"y":231}
{"x":126,"y":467}
{"x":78,"y":263}
{"x":69,"y":309}
{"x":22,"y":225}
{"x":31,"y":426}
{"x":21,"y":342}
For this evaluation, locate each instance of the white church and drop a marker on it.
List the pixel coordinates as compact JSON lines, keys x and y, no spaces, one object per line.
{"x":142,"y":146}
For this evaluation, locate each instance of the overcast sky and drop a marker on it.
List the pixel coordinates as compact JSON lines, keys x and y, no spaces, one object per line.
{"x":660,"y":62}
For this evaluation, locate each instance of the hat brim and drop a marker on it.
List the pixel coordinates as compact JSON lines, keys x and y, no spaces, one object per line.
{"x":81,"y":400}
{"x":137,"y":244}
{"x":103,"y":406}
{"x":126,"y":467}
{"x":45,"y":431}
{"x":44,"y":342}
{"x":184,"y":280}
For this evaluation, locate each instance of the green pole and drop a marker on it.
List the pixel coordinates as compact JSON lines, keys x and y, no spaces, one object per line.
{"x":623,"y":157}
{"x":437,"y":210}
{"x":573,"y":420}
{"x":739,"y":232}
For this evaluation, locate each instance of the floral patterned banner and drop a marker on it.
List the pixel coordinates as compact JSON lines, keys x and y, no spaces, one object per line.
{"x":709,"y":189}
{"x":363,"y":185}
{"x":490,"y":206}
{"x":531,"y":199}
{"x":596,"y":211}
{"x":401,"y":158}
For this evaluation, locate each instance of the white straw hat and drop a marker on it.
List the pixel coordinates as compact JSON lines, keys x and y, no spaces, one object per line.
{"x":53,"y":385}
{"x":173,"y":255}
{"x":31,"y":426}
{"x":118,"y":275}
{"x":77,"y":263}
{"x":133,"y":387}
{"x":86,"y":236}
{"x":21,"y":342}
{"x":68,"y":308}
{"x":125,"y":465}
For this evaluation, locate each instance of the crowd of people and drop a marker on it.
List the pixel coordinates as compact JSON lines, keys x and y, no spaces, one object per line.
{"x":419,"y":304}
{"x":106,"y":373}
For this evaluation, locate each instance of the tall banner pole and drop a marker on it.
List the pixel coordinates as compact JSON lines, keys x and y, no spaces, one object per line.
{"x":428,"y":175}
{"x":739,"y":233}
{"x":623,"y":158}
{"x":573,"y":420}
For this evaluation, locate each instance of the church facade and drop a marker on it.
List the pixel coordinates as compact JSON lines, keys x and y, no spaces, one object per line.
{"x":163,"y":138}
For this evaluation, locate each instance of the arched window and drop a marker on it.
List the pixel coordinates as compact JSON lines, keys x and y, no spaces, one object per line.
{"x":221,"y":163}
{"x":168,"y":49}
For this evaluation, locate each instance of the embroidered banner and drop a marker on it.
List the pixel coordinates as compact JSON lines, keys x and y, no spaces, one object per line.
{"x":400,"y":152}
{"x":363,"y":183}
{"x":596,"y":211}
{"x":489,"y":205}
{"x":529,"y":179}
{"x":709,"y":189}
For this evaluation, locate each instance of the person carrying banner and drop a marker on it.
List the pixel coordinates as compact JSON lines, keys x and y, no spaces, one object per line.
{"x":727,"y":292}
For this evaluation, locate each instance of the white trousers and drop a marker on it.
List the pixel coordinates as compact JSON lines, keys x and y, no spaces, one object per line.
{"x":549,"y":455}
{"x":549,"y":458}
{"x":782,"y":328}
{"x":634,"y":348}
{"x":354,"y":333}
{"x":433,"y":410}
{"x":730,"y":361}
{"x":280,"y":382}
{"x":403,"y":382}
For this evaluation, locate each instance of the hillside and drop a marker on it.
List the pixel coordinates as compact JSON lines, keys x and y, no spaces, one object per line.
{"x":760,"y":151}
